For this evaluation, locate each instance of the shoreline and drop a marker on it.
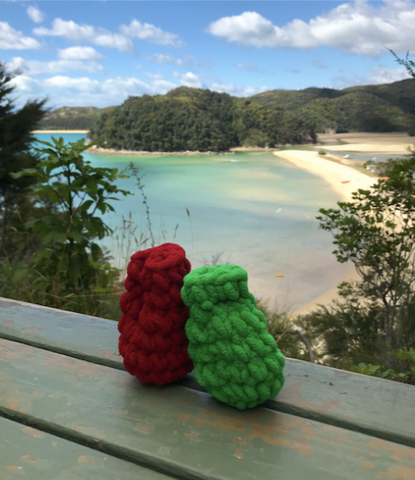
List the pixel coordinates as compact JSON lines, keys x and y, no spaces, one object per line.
{"x":110,"y":151}
{"x":59,"y":131}
{"x":333,"y":171}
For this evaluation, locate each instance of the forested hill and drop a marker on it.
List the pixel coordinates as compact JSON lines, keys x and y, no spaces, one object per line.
{"x":276,"y":115}
{"x":370,"y":108}
{"x":196,"y":119}
{"x":71,"y":118}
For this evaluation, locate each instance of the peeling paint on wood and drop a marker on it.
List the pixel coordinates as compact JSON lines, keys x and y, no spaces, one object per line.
{"x":189,"y":439}
{"x":311,"y":391}
{"x":34,"y":455}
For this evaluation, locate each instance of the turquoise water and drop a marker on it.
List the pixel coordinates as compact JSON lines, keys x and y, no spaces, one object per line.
{"x":259,"y":211}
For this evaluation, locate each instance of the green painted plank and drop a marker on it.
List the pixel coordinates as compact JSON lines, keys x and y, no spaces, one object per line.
{"x":35,"y":455}
{"x":311,"y":391}
{"x":185,"y":433}
{"x":94,"y":339}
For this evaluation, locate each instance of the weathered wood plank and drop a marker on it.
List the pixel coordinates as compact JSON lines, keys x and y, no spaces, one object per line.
{"x":186,"y":433}
{"x":35,"y":455}
{"x":80,"y":336}
{"x":311,"y":391}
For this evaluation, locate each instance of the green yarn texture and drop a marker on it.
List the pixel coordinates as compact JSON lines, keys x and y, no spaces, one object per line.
{"x":235,"y":358}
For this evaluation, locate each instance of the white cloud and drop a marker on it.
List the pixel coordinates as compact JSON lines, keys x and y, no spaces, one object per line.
{"x":78,"y":33}
{"x":189,"y":79}
{"x":35,"y":67}
{"x":11,"y":39}
{"x":184,"y":61}
{"x":151,"y":34}
{"x":247,"y":66}
{"x":99,"y":36}
{"x":78,"y":92}
{"x":236,"y":90}
{"x":23,"y":83}
{"x":76,"y":84}
{"x":356,"y":28}
{"x":35,"y":14}
{"x":79,"y":53}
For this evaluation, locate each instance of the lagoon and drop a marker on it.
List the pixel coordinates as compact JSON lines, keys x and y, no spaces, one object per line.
{"x":259,"y":211}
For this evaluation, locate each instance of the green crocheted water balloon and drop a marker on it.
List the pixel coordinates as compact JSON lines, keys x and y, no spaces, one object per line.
{"x":235,"y":358}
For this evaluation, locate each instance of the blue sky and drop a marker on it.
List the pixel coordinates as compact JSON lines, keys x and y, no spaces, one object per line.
{"x":97,"y":53}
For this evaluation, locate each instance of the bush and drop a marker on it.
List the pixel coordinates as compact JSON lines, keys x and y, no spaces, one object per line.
{"x":322,"y":152}
{"x":404,"y":372}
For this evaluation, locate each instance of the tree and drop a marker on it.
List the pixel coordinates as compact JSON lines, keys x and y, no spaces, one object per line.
{"x":377,"y":233}
{"x":69,"y":254}
{"x":15,"y":143}
{"x":408,"y":64}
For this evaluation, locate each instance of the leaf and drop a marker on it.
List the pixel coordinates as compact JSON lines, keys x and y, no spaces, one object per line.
{"x":44,"y":143}
{"x":95,"y":251}
{"x":93,"y":185}
{"x":31,"y":224}
{"x":75,"y":235}
{"x":86,"y":205}
{"x":53,"y":197}
{"x":45,"y":253}
{"x":24,"y":172}
{"x":51,"y":235}
{"x":110,"y":207}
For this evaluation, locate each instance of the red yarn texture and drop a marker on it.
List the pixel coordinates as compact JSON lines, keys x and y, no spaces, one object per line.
{"x":153,"y":341}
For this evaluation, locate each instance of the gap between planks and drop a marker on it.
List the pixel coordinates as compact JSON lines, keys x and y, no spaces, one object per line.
{"x":191,"y":383}
{"x":156,"y":464}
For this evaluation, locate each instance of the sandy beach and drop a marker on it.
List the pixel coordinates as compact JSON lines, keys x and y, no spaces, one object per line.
{"x":372,"y":148}
{"x":111,"y":151}
{"x":60,"y":131}
{"x":334,"y":174}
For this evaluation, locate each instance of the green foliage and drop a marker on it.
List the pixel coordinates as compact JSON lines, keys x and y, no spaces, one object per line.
{"x":72,"y":118}
{"x":192,"y":119}
{"x":19,"y":281}
{"x":406,"y":63}
{"x":348,"y":331}
{"x":322,"y":152}
{"x":15,"y":143}
{"x":377,"y":233}
{"x":280,"y":326}
{"x":78,"y":191}
{"x":369,"y":108}
{"x":405,"y":372}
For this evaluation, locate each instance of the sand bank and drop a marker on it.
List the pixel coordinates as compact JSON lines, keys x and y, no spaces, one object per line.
{"x":371,"y":147}
{"x":111,"y":151}
{"x":333,"y":173}
{"x":253,"y":149}
{"x":392,"y":138}
{"x":60,"y":131}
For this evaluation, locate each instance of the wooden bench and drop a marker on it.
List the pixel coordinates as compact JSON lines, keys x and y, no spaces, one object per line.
{"x":69,"y":411}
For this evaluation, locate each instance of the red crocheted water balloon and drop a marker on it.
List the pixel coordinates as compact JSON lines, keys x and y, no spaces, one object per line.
{"x":153,"y":341}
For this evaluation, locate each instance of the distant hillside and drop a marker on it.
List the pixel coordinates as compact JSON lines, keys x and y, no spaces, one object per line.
{"x":370,"y":108}
{"x":71,"y":118}
{"x":195,"y":119}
